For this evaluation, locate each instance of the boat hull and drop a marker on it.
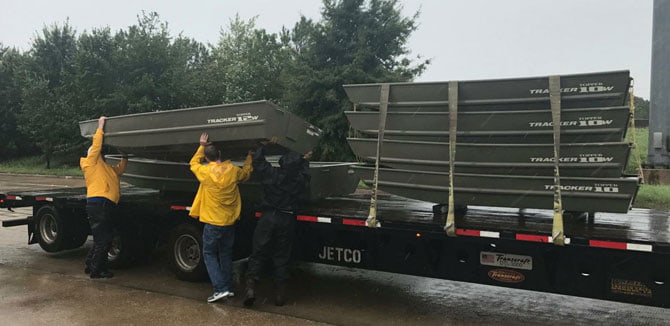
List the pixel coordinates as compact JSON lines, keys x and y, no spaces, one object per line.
{"x":328,"y":179}
{"x":602,"y":89}
{"x":578,"y":194}
{"x":606,"y":160}
{"x":533,"y":126}
{"x":234,"y":128}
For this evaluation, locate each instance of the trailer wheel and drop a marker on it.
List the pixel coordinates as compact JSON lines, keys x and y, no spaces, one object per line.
{"x":50,"y":229}
{"x":122,"y":252}
{"x":77,"y":240}
{"x":186,"y":253}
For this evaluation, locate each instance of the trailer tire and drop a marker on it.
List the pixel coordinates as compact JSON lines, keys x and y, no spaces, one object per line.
{"x":50,"y":229}
{"x":185,"y":251}
{"x":77,"y":240}
{"x":122,"y":252}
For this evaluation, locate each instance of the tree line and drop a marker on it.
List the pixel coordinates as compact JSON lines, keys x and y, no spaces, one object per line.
{"x":66,"y":76}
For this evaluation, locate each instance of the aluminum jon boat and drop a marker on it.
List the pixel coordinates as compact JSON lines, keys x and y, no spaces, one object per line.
{"x":600,"y":89}
{"x":606,"y":160}
{"x":235,"y":128}
{"x":529,"y":126}
{"x":328,"y":179}
{"x":579,"y":194}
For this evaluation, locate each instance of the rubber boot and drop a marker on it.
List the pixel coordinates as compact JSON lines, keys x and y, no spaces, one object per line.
{"x":280,"y":294}
{"x":249,"y":295}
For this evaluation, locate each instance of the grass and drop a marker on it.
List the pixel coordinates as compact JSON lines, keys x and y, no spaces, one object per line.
{"x":639,"y":150}
{"x":653,"y":196}
{"x":37,"y":165}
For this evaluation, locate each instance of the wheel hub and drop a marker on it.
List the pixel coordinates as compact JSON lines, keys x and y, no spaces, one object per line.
{"x":187,"y":252}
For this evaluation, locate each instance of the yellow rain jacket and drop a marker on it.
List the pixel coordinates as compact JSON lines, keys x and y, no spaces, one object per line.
{"x":218,"y":199}
{"x":102,"y":180}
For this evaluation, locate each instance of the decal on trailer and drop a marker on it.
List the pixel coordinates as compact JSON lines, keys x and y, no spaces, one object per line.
{"x":584,"y":88}
{"x":583,"y":158}
{"x":630,"y":287}
{"x":598,"y":187}
{"x":506,"y":276}
{"x":341,"y":255}
{"x":505,"y":260}
{"x":237,"y":118}
{"x":572,"y":123}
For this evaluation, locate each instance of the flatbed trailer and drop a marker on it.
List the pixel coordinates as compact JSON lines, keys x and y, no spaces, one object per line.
{"x":619,"y":257}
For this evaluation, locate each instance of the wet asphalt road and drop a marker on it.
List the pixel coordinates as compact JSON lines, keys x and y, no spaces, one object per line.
{"x":38,"y":288}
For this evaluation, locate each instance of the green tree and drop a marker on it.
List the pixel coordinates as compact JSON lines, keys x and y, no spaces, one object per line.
{"x":11,"y":68}
{"x":247,"y":64}
{"x":157,"y":72}
{"x":356,"y":41}
{"x":47,"y":114}
{"x":641,"y":108}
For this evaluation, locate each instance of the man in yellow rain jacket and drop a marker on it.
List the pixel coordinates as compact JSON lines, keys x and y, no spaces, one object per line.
{"x":218,"y":205}
{"x":103,"y":191}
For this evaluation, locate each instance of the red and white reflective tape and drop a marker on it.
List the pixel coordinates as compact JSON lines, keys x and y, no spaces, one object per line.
{"x":307,"y":218}
{"x":348,"y":221}
{"x":13,"y":198}
{"x":492,"y":234}
{"x":180,"y":208}
{"x":44,"y":199}
{"x":538,"y":238}
{"x":478,"y":233}
{"x":620,"y":245}
{"x":320,"y":219}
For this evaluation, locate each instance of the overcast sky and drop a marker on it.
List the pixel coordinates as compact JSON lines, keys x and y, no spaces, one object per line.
{"x":466,"y":39}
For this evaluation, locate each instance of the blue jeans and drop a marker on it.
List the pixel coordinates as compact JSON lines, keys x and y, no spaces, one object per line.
{"x":217,"y":247}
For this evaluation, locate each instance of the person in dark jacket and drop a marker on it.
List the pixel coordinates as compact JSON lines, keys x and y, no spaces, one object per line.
{"x":283,"y":187}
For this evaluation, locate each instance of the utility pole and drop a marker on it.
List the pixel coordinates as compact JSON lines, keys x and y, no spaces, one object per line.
{"x":659,"y":115}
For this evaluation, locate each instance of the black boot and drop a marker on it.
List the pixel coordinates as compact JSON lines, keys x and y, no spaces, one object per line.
{"x":249,"y":295}
{"x":280,"y":294}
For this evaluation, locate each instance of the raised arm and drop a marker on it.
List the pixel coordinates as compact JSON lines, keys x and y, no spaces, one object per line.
{"x":304,"y":171}
{"x":196,"y":160}
{"x":244,"y":173}
{"x":259,"y":163}
{"x":119,"y":168}
{"x":94,"y":152}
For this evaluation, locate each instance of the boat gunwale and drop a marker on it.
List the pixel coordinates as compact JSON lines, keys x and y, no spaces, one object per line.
{"x":563,"y":111}
{"x":493,"y":101}
{"x":497,"y":164}
{"x":505,"y":176}
{"x":419,"y":142}
{"x":183,"y":128}
{"x":494,"y":133}
{"x":142,"y":160}
{"x":274,"y":106}
{"x":510,"y":192}
{"x":613,"y":72}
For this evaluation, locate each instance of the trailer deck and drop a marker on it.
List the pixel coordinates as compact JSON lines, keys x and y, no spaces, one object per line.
{"x":645,"y":226}
{"x":620,"y":257}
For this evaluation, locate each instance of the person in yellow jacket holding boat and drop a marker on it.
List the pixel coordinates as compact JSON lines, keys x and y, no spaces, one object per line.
{"x":103,"y":191}
{"x":218,"y":205}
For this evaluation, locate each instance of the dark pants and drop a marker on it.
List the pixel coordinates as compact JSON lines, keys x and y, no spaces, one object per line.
{"x":272,"y":241}
{"x":217,"y":249}
{"x":100,"y":220}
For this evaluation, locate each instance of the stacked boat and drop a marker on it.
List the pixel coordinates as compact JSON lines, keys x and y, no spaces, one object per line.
{"x":328,"y":179}
{"x":161,"y":144}
{"x":173,"y":135}
{"x":504,"y":149}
